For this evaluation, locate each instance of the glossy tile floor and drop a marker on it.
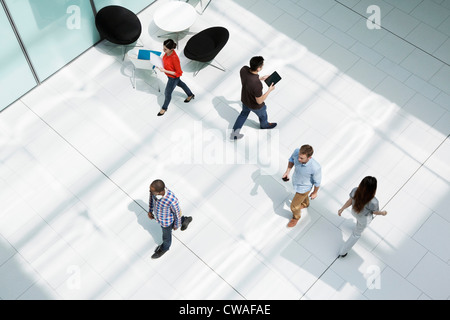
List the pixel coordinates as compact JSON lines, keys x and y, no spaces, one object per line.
{"x":78,"y":154}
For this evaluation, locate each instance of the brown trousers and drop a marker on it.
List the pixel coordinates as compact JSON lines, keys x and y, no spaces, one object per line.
{"x":300,"y":201}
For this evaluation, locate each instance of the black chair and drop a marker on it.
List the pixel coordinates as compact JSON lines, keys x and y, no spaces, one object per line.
{"x":206,"y":45}
{"x":118,"y":25}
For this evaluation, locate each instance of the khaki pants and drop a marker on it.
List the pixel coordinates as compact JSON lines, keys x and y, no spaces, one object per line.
{"x":300,"y":201}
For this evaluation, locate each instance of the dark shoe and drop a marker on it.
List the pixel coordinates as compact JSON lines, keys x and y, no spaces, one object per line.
{"x":343,"y":255}
{"x":185,"y":223}
{"x":271,"y":126}
{"x":161,"y":113}
{"x":158,"y":254}
{"x":158,"y":248}
{"x":189,"y":98}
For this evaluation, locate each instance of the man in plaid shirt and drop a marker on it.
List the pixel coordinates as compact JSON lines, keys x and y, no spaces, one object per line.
{"x":165,"y":208}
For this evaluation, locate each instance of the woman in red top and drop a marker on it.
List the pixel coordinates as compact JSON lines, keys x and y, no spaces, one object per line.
{"x":172,"y":69}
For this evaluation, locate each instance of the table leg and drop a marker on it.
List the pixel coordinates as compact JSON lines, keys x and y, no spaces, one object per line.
{"x":201,"y":4}
{"x":175,"y":35}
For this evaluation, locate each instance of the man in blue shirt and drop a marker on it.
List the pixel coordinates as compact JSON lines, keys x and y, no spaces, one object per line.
{"x":307,"y":174}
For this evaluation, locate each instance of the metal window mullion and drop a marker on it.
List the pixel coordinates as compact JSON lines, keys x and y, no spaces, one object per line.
{"x":19,"y":40}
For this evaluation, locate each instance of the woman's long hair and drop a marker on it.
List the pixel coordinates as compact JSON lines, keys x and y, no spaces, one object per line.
{"x":365,"y":192}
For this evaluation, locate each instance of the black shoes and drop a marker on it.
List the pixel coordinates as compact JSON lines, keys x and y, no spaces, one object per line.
{"x":342,"y":255}
{"x":188,"y":99}
{"x":271,"y":125}
{"x":185,"y":223}
{"x":235,"y":135}
{"x":158,"y":253}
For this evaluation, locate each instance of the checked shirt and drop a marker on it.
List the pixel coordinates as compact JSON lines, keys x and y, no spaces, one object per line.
{"x":167,"y":210}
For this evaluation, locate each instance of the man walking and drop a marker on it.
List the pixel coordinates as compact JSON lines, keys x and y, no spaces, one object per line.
{"x":164,"y":207}
{"x":252,"y":97}
{"x":307,"y":174}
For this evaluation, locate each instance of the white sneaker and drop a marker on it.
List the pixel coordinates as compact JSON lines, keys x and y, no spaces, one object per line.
{"x":236,"y":136}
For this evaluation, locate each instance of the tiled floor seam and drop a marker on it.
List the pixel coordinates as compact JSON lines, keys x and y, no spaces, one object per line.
{"x":396,"y":35}
{"x":121,"y":189}
{"x":73,"y":147}
{"x":385,"y":205}
{"x":318,"y":278}
{"x":413,"y":174}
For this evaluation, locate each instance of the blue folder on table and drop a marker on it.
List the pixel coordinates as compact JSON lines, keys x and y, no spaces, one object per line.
{"x":145,"y":54}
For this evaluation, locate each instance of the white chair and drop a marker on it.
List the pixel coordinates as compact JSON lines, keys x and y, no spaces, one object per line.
{"x":133,"y":57}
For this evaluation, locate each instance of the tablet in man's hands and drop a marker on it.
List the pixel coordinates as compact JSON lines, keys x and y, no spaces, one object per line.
{"x":273,"y":78}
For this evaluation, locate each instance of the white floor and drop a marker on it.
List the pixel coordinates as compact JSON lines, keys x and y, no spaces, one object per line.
{"x":78,"y":154}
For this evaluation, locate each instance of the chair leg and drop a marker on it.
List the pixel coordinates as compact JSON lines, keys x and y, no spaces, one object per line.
{"x":157,"y":80}
{"x":176,"y":35}
{"x":220,"y":67}
{"x":136,"y":44}
{"x":134,"y":77}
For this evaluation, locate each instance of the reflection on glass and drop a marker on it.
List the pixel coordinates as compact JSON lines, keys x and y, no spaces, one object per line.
{"x":16,"y":77}
{"x":54,"y":32}
{"x":136,"y":5}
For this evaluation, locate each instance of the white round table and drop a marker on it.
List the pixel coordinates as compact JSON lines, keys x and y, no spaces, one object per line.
{"x":175,"y":16}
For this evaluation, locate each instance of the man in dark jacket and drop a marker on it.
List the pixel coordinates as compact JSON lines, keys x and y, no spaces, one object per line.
{"x":252,"y":97}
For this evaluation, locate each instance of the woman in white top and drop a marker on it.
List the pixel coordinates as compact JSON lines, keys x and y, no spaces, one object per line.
{"x":364,"y":207}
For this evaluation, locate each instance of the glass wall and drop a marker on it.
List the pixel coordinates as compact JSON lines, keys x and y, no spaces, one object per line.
{"x":54,"y":32}
{"x":39,"y":37}
{"x":16,"y":77}
{"x":134,"y":5}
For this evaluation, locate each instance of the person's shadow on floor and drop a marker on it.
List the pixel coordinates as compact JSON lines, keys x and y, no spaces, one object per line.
{"x":151,"y":226}
{"x":268,"y":185}
{"x":225,"y":110}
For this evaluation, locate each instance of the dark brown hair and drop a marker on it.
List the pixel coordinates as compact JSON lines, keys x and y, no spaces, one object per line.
{"x":365,"y":192}
{"x":307,"y":150}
